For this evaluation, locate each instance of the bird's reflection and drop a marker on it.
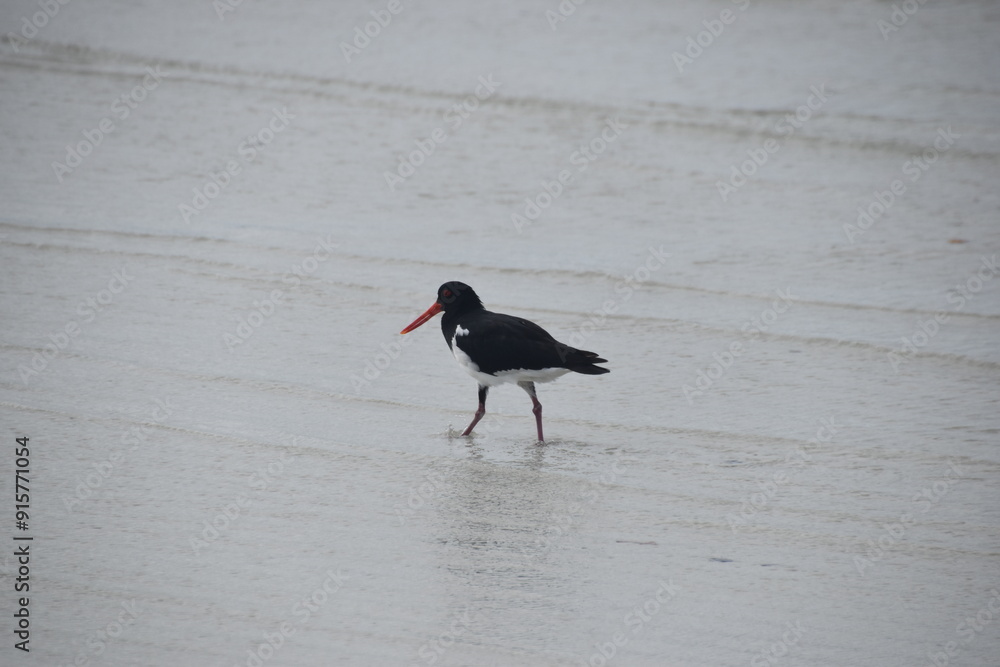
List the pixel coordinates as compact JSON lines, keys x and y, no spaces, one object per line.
{"x":502,"y":529}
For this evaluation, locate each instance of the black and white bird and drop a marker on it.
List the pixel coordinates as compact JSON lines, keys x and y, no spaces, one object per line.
{"x":495,"y":348}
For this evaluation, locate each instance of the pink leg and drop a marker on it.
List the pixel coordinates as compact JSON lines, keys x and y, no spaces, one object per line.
{"x":536,"y":406}
{"x":480,"y":412}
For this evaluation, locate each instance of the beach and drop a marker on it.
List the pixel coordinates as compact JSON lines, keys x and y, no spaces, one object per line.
{"x":776,"y":221}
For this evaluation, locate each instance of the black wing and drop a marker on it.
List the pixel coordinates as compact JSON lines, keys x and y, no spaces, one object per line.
{"x":502,"y":342}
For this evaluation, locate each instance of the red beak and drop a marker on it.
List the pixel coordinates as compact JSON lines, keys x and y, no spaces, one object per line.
{"x":428,"y":314}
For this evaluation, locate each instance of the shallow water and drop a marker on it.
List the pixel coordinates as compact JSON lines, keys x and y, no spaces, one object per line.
{"x":236,"y":444}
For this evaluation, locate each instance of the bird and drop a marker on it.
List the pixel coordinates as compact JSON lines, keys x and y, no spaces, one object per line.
{"x":495,"y":348}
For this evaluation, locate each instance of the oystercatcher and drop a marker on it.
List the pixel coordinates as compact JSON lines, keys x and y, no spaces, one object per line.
{"x":495,"y":348}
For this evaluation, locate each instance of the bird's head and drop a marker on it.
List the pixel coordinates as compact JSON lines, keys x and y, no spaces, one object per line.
{"x":452,"y":297}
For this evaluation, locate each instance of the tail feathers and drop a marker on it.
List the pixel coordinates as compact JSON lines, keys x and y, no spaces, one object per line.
{"x":581,"y":361}
{"x":590,"y":370}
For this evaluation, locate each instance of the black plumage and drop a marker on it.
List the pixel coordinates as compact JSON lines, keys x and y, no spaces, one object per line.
{"x":496,"y":348}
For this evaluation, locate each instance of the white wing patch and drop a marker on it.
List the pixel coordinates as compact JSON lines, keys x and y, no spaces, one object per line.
{"x":459,"y":331}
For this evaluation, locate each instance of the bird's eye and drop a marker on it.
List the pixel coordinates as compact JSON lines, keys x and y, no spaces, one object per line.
{"x":446,"y":294}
